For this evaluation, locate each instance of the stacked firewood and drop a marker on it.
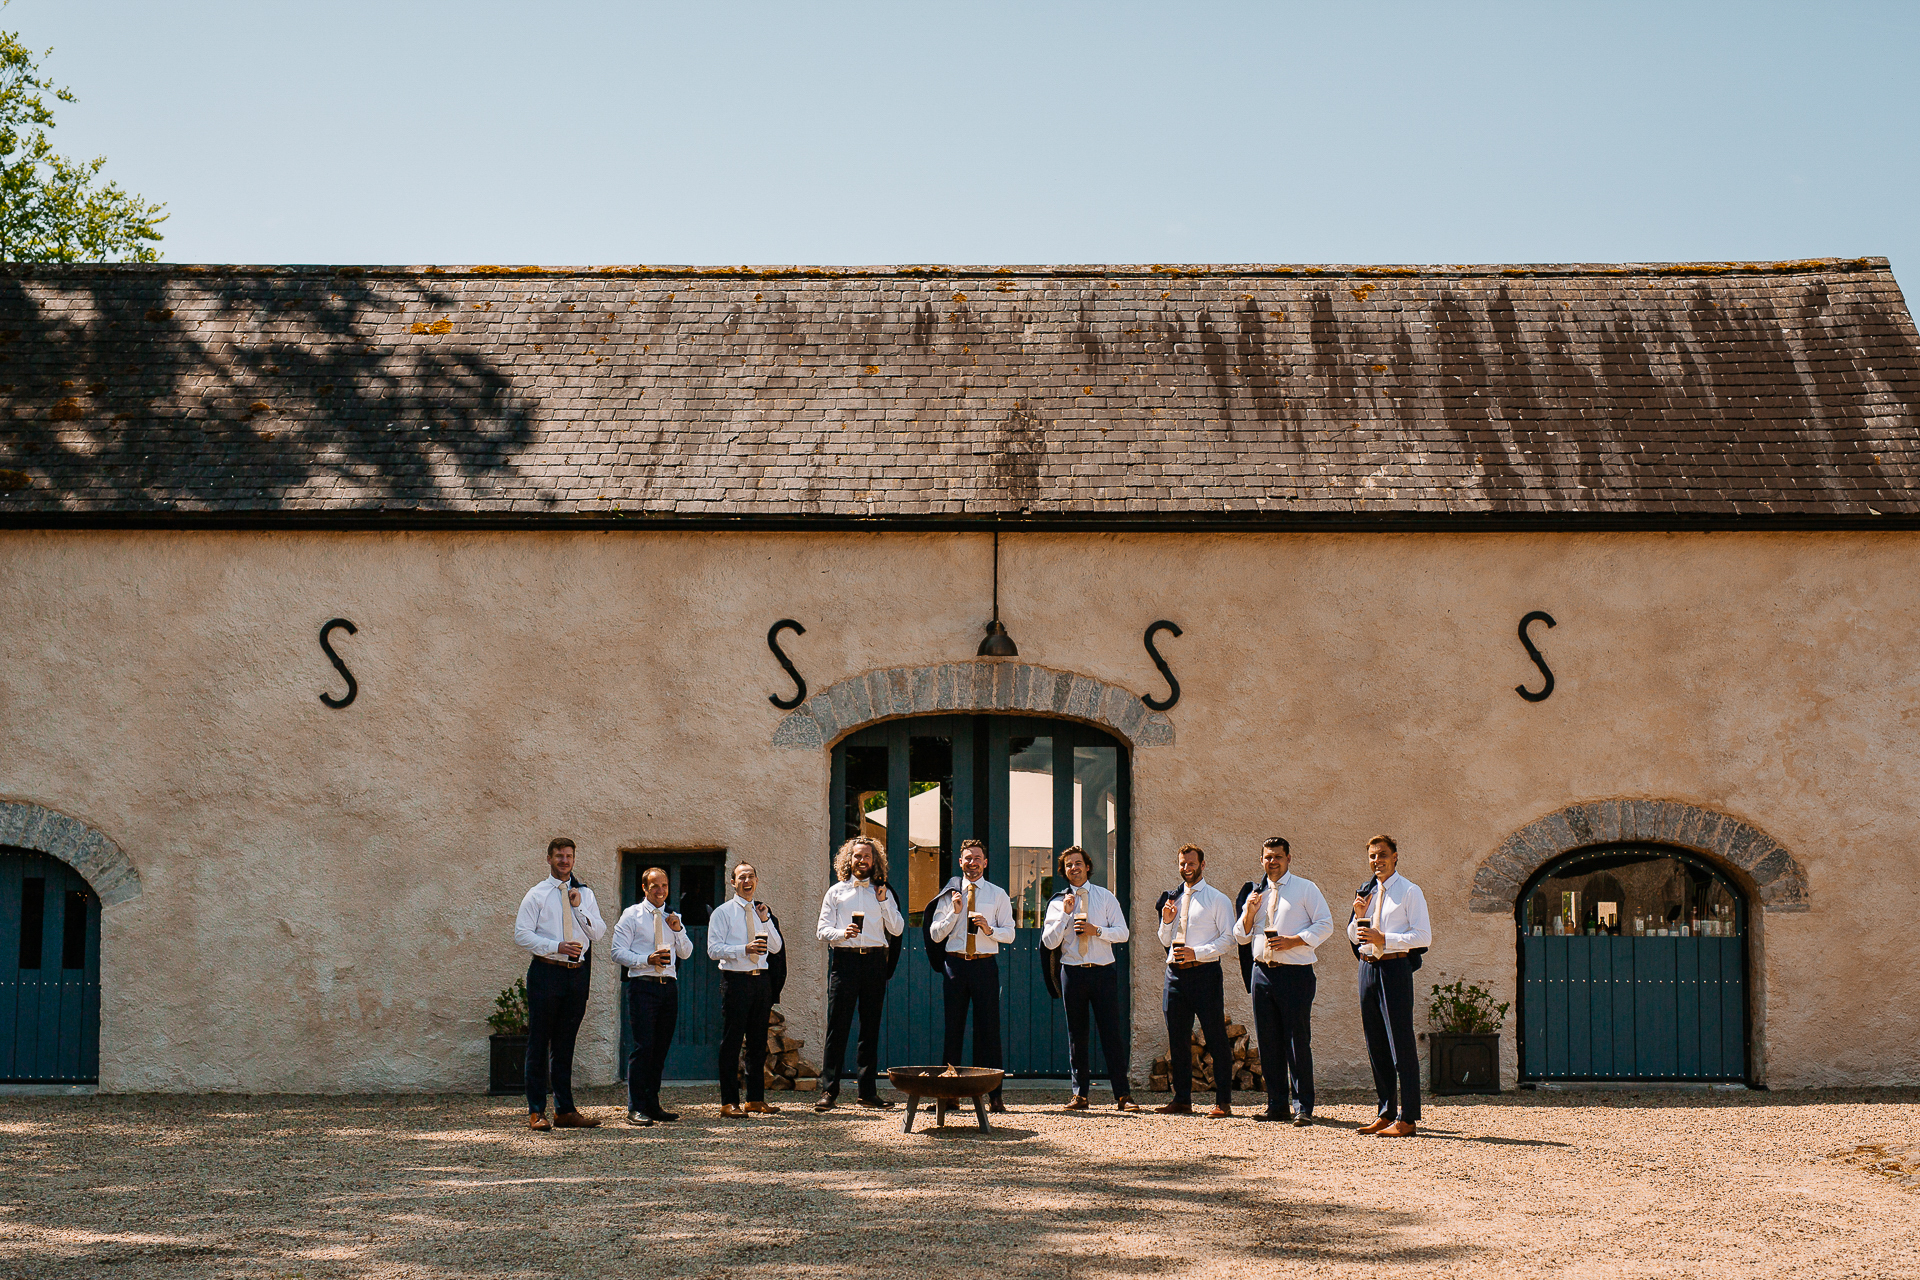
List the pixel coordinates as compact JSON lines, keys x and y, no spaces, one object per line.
{"x":1246,"y":1064}
{"x":786,"y":1069}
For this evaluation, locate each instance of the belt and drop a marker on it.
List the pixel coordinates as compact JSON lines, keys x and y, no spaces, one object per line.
{"x":978,"y":955}
{"x":1195,"y":964}
{"x":1275,"y":964}
{"x":649,"y":977}
{"x":564,"y":964}
{"x":743,"y":973}
{"x":1396,"y":955}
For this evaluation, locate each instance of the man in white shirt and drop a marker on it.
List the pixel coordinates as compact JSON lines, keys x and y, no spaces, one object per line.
{"x":1084,"y":923}
{"x":558,"y":923}
{"x":1389,"y":923}
{"x":974,"y":920}
{"x":857,"y":916}
{"x":1283,"y":917}
{"x":649,"y":941}
{"x":741,"y":935}
{"x":1196,"y":928}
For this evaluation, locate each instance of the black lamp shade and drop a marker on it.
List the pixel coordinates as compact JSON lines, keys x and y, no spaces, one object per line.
{"x":998,"y":643}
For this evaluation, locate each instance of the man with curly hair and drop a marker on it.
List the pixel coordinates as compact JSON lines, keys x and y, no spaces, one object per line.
{"x":856,"y":918}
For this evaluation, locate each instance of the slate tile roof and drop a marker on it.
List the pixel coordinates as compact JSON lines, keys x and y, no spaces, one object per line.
{"x":1757,"y":390}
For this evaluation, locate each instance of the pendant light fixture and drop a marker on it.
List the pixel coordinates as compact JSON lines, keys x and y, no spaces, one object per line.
{"x":998,"y":643}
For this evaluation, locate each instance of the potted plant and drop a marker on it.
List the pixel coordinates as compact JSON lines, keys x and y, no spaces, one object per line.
{"x":507,"y":1063}
{"x":1465,"y":1039}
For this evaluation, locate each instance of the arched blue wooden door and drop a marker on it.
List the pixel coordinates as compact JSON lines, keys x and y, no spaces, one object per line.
{"x":1025,"y":787}
{"x":1633,"y":966}
{"x":49,"y":972}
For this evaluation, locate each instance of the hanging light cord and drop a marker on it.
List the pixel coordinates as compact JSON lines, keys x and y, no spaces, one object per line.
{"x":996,"y":573}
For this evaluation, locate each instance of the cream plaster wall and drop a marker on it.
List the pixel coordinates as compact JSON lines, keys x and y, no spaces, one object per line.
{"x":328,"y":895}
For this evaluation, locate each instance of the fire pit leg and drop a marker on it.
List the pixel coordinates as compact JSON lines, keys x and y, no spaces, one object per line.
{"x":913,"y":1105}
{"x":980,"y":1109}
{"x":940,"y":1106}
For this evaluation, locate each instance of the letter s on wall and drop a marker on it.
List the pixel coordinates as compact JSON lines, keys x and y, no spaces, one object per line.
{"x":1173,"y":686}
{"x":353,"y":686}
{"x":1538,"y":615}
{"x":799,"y":683}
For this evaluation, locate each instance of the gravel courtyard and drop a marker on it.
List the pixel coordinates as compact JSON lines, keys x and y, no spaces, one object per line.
{"x":1589,"y":1183}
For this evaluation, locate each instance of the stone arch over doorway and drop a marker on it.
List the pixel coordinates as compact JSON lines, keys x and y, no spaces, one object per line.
{"x":1778,"y":881}
{"x":982,"y":685}
{"x":106,"y":867}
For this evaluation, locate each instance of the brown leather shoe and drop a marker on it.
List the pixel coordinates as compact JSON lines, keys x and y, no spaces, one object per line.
{"x":1398,"y":1129}
{"x":1375,"y":1127}
{"x":728,"y":1111}
{"x":573,"y":1120}
{"x":760,"y":1109}
{"x":1078,"y":1103}
{"x":1220,"y":1113}
{"x":537,"y":1120}
{"x":1175,"y":1109}
{"x":825,"y":1102}
{"x":1125,"y":1104}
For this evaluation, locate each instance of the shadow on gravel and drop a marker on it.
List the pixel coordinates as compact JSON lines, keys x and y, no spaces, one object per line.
{"x":444,"y":1187}
{"x":1447,"y":1135}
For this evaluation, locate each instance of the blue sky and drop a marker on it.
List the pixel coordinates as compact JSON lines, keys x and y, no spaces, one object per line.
{"x":594,"y":133}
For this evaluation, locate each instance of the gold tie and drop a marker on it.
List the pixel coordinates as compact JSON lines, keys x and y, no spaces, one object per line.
{"x":1273,"y":916}
{"x":753,"y":929}
{"x":566,"y":918}
{"x":970,"y":943}
{"x":659,"y":933}
{"x":1082,"y":904}
{"x":1186,"y":901}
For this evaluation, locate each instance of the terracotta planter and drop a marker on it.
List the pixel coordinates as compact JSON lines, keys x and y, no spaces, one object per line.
{"x":507,"y":1064}
{"x":1464,"y":1063}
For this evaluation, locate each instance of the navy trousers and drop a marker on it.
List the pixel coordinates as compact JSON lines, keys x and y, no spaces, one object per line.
{"x":653,"y":1006}
{"x":975,"y":983}
{"x":556,"y":1001}
{"x":1189,"y":994}
{"x":1386,"y":1011}
{"x":1283,"y":1019}
{"x":1095,"y":989}
{"x":856,"y":982}
{"x":744,"y":1001}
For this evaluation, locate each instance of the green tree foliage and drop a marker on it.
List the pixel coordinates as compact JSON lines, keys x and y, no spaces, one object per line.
{"x":53,"y":209}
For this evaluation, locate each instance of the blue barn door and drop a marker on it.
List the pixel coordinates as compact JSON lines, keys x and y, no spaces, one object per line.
{"x":695,"y":886}
{"x":49,"y":972}
{"x":1633,"y":963}
{"x":1025,"y":787}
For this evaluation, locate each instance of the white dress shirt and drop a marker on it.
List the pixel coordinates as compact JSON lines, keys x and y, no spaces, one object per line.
{"x":1103,"y":913}
{"x":989,"y":900}
{"x":1399,"y":911}
{"x":1209,"y":923}
{"x":849,"y":896}
{"x":540,"y":928}
{"x":633,"y":941}
{"x":729,"y":931}
{"x":1293,"y":908}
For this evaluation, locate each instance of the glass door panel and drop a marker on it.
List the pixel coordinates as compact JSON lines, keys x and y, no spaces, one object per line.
{"x":1030,"y":833}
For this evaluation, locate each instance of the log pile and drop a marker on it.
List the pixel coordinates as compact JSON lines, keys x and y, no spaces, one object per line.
{"x":786,"y":1069}
{"x":1246,"y":1064}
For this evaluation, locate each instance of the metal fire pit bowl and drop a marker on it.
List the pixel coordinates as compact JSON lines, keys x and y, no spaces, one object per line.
{"x":947,"y":1091}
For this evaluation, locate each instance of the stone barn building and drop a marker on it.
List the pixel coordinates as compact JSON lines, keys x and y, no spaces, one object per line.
{"x":1593,"y":585}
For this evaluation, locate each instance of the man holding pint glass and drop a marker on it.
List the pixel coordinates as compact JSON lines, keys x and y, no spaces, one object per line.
{"x":1389,"y":926}
{"x":1283,"y":917}
{"x":740,"y":936}
{"x":1084,"y":923}
{"x":856,"y":917}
